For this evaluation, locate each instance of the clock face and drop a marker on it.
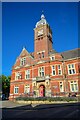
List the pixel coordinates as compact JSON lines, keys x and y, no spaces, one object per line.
{"x":40,"y":32}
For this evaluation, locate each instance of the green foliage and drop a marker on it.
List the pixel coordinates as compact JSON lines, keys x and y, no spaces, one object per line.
{"x":48,"y":99}
{"x":5,"y":83}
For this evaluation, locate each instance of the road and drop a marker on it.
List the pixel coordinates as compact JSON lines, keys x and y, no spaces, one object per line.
{"x":42,"y":111}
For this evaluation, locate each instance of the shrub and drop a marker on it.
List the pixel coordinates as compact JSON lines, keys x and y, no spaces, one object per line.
{"x":49,"y":99}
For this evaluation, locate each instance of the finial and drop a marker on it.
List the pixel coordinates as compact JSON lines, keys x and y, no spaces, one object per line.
{"x":42,"y":16}
{"x":42,"y":11}
{"x":23,"y":47}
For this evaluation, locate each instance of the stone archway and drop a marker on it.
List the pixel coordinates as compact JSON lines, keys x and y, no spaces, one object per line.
{"x":42,"y":91}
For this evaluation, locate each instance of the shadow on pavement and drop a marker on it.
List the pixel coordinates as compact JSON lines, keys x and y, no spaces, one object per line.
{"x":7,"y":112}
{"x":41,"y":106}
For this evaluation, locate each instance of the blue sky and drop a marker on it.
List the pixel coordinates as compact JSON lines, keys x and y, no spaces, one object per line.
{"x":18,"y":22}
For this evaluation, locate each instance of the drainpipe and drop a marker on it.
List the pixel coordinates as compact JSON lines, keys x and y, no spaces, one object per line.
{"x":64,"y":77}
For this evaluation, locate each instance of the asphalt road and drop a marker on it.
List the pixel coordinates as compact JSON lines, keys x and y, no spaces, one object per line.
{"x":42,"y":111}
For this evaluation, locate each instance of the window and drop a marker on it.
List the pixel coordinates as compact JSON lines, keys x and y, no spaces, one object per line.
{"x":52,"y":58}
{"x":27,"y":74}
{"x":18,"y":76}
{"x":34,"y":84}
{"x":42,"y":54}
{"x":53,"y":70}
{"x":39,"y":55}
{"x":41,"y":71}
{"x":71,"y":69}
{"x":74,"y":86}
{"x":27,"y":89}
{"x":16,"y":90}
{"x":59,"y":70}
{"x":61,"y":87}
{"x":23,"y":61}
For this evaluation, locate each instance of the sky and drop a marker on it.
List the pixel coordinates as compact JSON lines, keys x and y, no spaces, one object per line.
{"x":18,"y":23}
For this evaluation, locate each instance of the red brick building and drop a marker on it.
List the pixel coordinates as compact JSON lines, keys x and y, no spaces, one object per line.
{"x":45,"y":72}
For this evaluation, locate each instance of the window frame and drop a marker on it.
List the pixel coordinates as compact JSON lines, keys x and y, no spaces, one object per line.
{"x":71,"y":68}
{"x":22,"y":60}
{"x":52,"y":57}
{"x":73,"y":83}
{"x":61,"y":83}
{"x":27,"y":73}
{"x":15,"y":88}
{"x":53,"y":69}
{"x":28,"y":88}
{"x":42,"y":71}
{"x":59,"y":69}
{"x":18,"y":74}
{"x":42,"y":54}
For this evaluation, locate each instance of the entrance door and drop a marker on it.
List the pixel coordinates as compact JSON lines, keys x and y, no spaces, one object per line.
{"x":42,"y":91}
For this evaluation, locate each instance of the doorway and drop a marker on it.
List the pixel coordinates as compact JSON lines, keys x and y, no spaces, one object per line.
{"x":42,"y":91}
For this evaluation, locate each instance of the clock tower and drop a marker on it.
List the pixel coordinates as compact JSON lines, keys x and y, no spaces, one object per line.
{"x":42,"y":38}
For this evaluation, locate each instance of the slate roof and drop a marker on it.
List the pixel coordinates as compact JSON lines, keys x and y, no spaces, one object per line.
{"x":52,"y":52}
{"x":66,"y":54}
{"x":71,"y":54}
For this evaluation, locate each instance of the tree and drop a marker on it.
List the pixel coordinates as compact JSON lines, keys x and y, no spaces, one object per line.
{"x":5,"y":83}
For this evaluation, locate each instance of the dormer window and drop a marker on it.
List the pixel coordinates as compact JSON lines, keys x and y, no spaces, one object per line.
{"x":52,"y":58}
{"x":23,"y":61}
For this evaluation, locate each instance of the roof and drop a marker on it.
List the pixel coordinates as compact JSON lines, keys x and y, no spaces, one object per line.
{"x":52,"y":52}
{"x":25,"y":53}
{"x":71,"y":54}
{"x":42,"y":21}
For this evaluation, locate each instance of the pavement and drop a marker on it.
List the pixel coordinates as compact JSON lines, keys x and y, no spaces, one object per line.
{"x":11,"y":104}
{"x":14,"y":110}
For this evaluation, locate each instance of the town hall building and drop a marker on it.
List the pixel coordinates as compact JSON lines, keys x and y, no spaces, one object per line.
{"x":45,"y":72}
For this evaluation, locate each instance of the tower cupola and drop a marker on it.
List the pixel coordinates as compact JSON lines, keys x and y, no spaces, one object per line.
{"x":42,"y":21}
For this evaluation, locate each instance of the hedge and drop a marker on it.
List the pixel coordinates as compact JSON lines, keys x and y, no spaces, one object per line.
{"x":48,"y":99}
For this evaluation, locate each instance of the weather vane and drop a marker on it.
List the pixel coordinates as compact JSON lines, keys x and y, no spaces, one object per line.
{"x":42,"y":11}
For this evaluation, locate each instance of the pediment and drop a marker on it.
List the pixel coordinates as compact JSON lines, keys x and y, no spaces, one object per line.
{"x":17,"y":67}
{"x":26,"y":65}
{"x":24,"y":53}
{"x":40,"y":62}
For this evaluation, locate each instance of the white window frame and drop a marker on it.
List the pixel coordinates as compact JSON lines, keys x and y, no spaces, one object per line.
{"x":27,"y":88}
{"x":42,"y":55}
{"x":27,"y":73}
{"x":17,"y":74}
{"x":53,"y":70}
{"x":15,"y":90}
{"x":41,"y":71}
{"x":52,"y":57}
{"x":73,"y":83}
{"x":71,"y":68}
{"x":61,"y":84}
{"x":59,"y":69}
{"x":23,"y":60}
